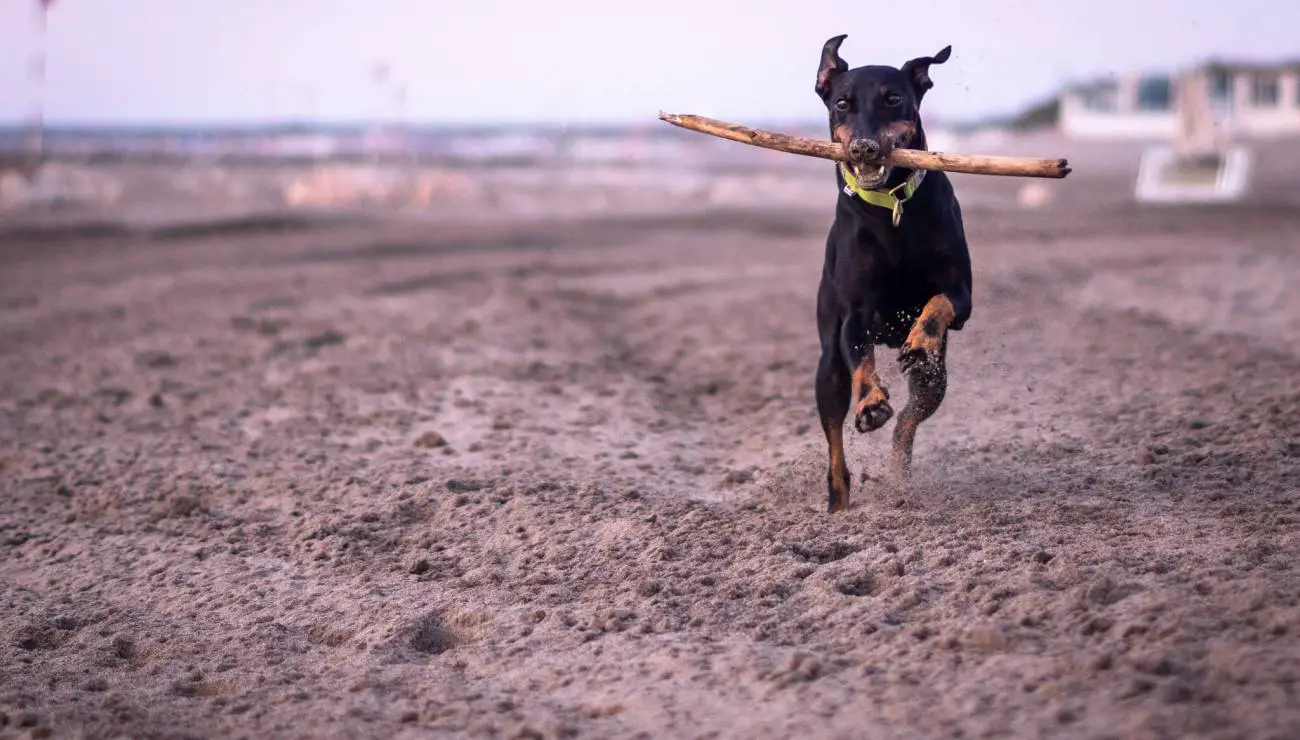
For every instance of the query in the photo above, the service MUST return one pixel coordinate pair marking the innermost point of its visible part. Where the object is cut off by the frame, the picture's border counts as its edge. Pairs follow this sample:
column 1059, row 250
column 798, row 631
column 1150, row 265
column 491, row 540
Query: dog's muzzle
column 866, row 160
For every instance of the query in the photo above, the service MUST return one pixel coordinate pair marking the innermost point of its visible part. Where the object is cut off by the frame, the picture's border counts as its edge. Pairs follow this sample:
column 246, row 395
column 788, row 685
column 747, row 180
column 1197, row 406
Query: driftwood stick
column 911, row 158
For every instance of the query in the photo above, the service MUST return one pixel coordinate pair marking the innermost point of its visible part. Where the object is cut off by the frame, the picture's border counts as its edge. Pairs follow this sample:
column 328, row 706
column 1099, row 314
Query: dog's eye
column 893, row 99
column 842, row 104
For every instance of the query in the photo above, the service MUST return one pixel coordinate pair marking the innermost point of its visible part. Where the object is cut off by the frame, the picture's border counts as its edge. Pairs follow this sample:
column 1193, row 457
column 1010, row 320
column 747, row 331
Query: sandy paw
column 920, row 353
column 873, row 411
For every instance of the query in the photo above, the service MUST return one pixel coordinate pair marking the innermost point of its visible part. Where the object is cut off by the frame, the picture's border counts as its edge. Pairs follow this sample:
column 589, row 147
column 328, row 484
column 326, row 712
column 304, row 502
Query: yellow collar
column 884, row 198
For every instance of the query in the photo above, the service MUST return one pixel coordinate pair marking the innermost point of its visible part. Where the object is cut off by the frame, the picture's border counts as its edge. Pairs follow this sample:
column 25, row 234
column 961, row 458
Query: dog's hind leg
column 832, row 391
column 832, row 387
column 927, row 384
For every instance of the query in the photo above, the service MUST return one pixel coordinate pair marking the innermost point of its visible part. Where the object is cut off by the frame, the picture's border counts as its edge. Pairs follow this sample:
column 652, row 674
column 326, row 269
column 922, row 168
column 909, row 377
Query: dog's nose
column 864, row 148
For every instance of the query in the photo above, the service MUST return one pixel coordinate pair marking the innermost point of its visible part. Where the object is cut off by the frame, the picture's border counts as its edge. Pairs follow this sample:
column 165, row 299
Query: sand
column 565, row 479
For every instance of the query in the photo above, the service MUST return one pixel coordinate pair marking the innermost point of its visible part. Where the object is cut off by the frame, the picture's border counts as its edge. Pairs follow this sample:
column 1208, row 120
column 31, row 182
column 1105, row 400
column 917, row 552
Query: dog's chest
column 895, row 262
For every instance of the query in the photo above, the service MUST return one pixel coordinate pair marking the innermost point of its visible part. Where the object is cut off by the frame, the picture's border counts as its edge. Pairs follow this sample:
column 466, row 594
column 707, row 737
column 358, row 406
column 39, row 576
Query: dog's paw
column 919, row 354
column 873, row 411
column 923, row 347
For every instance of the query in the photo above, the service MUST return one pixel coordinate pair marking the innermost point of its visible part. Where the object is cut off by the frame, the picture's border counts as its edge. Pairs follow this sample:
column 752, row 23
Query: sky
column 233, row 61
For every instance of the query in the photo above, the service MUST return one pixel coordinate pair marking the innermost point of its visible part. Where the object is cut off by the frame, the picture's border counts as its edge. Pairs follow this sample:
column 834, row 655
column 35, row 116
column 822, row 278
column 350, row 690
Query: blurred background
column 142, row 109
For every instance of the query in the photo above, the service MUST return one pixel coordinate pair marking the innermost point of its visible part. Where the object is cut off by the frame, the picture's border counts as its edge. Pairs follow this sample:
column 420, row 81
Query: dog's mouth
column 870, row 175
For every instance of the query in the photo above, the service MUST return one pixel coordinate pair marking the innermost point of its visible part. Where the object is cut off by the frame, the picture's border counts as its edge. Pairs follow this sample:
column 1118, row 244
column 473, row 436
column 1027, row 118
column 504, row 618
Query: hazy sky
column 581, row 60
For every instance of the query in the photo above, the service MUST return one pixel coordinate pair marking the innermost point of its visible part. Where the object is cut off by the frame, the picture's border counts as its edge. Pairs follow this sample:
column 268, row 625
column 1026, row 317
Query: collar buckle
column 890, row 198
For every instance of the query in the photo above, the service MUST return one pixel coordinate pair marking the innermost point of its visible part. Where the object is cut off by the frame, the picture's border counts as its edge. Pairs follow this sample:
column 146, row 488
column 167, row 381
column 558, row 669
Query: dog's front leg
column 927, row 335
column 923, row 359
column 871, row 407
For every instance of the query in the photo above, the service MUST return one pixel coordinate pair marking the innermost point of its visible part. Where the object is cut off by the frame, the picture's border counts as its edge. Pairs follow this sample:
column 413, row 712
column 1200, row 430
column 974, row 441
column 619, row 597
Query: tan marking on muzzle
column 898, row 134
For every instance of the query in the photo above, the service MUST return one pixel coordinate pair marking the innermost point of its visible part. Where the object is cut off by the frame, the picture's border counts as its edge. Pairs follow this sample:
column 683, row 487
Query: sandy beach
column 550, row 474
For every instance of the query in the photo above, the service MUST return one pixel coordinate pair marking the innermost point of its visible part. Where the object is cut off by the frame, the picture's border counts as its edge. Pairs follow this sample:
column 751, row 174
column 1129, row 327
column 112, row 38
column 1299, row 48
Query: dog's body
column 893, row 275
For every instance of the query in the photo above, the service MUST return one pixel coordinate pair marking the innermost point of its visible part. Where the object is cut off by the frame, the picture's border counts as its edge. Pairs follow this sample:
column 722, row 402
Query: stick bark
column 911, row 158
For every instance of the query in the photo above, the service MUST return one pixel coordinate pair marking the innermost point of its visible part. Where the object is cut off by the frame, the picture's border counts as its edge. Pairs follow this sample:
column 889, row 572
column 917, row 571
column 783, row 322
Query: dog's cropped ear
column 918, row 71
column 831, row 66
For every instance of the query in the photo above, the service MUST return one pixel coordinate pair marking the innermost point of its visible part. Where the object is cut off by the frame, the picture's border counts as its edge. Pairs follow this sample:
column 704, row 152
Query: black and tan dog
column 897, row 271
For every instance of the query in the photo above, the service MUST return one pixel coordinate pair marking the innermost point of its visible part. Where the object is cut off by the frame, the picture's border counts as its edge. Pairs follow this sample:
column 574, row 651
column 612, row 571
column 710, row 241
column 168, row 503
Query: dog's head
column 873, row 109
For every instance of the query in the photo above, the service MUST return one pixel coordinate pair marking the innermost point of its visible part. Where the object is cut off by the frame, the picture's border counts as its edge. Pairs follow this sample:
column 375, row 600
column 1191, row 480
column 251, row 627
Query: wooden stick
column 912, row 158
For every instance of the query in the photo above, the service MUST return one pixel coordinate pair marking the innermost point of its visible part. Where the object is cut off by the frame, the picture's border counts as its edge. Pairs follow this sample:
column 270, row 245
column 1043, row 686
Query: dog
column 897, row 272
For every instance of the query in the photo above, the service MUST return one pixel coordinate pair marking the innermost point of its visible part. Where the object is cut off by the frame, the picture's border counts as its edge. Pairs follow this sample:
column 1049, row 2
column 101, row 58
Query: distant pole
column 396, row 126
column 390, row 107
column 379, row 75
column 38, row 81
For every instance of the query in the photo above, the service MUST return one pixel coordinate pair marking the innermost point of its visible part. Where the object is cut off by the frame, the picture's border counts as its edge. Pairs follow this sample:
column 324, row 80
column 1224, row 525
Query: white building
column 1253, row 101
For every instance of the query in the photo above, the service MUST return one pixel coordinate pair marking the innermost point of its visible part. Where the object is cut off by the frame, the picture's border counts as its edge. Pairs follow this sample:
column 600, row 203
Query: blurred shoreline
column 406, row 144
column 150, row 178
